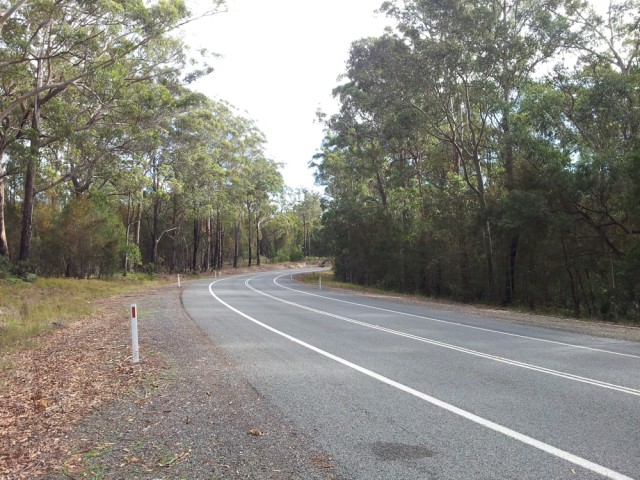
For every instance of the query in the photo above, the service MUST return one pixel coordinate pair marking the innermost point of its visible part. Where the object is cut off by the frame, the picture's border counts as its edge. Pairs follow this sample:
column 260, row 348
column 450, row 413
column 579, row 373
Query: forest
column 110, row 163
column 488, row 151
column 482, row 151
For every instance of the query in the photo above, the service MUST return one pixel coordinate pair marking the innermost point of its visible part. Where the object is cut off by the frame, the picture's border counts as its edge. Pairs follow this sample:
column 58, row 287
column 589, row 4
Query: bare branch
column 4, row 16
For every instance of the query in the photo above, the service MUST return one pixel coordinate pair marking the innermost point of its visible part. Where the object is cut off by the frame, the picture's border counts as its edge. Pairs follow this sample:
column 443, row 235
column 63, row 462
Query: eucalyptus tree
column 221, row 174
column 50, row 47
column 475, row 58
column 258, row 180
column 396, row 93
column 209, row 146
column 9, row 10
column 308, row 209
column 599, row 122
column 348, row 222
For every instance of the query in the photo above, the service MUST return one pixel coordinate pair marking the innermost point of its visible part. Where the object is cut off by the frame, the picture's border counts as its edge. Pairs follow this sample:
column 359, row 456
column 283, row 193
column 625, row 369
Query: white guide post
column 178, row 280
column 135, row 349
column 320, row 278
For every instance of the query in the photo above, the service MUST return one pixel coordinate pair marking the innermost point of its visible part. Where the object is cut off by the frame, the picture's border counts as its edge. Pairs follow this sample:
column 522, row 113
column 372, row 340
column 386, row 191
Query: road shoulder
column 184, row 412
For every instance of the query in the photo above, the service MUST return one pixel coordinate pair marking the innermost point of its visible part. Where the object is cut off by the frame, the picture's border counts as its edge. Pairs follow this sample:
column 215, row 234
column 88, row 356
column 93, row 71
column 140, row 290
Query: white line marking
column 507, row 361
column 569, row 457
column 455, row 323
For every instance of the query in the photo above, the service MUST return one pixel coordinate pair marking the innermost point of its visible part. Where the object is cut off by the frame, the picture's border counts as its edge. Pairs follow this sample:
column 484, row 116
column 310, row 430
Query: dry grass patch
column 28, row 309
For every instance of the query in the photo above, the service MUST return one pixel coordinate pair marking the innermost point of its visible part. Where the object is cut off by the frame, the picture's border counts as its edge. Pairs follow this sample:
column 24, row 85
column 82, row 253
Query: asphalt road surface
column 393, row 390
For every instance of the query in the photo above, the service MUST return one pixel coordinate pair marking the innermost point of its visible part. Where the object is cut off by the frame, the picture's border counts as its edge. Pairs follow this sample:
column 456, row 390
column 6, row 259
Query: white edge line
column 569, row 457
column 455, row 323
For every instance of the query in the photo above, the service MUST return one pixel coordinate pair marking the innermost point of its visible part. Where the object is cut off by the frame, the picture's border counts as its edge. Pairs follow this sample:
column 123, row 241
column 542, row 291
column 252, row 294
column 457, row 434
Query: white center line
column 457, row 324
column 495, row 358
column 569, row 457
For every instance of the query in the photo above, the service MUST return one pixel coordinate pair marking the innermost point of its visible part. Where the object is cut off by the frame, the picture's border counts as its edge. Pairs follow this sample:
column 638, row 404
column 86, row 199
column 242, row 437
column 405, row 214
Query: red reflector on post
column 133, row 311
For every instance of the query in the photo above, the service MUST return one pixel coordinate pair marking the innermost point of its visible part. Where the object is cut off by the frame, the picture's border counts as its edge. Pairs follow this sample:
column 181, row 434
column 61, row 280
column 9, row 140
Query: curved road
column 392, row 390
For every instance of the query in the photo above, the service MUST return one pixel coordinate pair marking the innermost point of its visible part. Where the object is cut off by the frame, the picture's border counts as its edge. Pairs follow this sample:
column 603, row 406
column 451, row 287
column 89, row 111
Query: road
column 393, row 390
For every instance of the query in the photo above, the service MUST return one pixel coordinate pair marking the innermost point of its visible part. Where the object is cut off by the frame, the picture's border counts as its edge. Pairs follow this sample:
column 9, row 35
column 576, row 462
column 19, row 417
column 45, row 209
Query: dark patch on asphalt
column 389, row 451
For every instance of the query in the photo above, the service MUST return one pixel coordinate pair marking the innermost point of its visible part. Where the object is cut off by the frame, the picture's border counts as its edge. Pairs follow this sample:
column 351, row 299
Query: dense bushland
column 489, row 151
column 110, row 164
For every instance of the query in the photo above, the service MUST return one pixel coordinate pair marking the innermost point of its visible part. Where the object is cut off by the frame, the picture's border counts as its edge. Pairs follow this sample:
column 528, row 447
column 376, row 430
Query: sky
column 280, row 61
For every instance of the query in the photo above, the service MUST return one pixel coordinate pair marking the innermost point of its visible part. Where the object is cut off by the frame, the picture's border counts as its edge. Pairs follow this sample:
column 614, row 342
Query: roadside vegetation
column 328, row 279
column 489, row 152
column 110, row 163
column 29, row 309
column 483, row 152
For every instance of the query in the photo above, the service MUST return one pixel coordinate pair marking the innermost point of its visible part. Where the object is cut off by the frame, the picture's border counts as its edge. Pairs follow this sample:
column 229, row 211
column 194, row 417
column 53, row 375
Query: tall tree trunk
column 27, row 206
column 236, row 244
column 257, row 242
column 510, row 286
column 221, row 251
column 249, row 229
column 4, row 246
column 154, row 233
column 218, row 244
column 174, row 246
column 464, row 269
column 196, row 241
column 474, row 140
column 156, row 214
column 138, row 223
column 381, row 191
column 30, row 176
column 128, row 229
column 207, row 253
column 494, row 294
column 575, row 297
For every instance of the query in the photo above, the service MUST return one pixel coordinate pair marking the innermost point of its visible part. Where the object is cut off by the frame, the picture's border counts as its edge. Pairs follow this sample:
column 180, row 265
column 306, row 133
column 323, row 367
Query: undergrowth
column 28, row 309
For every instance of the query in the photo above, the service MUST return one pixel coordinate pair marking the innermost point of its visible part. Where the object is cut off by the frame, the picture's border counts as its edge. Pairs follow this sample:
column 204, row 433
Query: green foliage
column 31, row 308
column 5, row 268
column 452, row 170
column 130, row 169
column 88, row 240
column 295, row 255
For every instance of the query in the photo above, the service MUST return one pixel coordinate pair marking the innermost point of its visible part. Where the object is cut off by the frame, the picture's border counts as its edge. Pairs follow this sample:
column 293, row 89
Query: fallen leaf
column 255, row 432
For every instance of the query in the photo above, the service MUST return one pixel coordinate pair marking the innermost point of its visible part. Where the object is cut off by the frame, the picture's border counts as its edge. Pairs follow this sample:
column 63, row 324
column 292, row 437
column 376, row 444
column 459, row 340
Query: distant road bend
column 393, row 390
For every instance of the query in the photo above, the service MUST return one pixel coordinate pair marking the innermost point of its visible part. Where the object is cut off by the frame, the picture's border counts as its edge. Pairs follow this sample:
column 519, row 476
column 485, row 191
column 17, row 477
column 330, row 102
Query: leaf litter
column 48, row 389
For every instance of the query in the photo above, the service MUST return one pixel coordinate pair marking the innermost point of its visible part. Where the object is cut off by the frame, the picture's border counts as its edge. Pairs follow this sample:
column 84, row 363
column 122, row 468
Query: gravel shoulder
column 184, row 411
column 193, row 416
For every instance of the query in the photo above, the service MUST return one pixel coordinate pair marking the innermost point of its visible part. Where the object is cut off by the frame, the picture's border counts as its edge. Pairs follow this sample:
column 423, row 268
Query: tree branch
column 4, row 16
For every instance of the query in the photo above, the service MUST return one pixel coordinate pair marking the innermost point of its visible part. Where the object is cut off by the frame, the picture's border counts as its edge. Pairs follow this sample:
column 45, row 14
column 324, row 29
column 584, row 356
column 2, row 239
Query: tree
column 308, row 209
column 53, row 47
column 451, row 151
column 475, row 59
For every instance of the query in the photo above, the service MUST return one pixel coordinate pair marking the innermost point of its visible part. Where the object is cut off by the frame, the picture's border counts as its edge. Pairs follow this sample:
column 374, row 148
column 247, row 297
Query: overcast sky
column 280, row 61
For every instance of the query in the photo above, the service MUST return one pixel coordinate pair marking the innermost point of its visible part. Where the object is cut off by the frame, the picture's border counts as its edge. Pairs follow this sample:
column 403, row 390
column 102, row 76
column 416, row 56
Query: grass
column 328, row 280
column 28, row 309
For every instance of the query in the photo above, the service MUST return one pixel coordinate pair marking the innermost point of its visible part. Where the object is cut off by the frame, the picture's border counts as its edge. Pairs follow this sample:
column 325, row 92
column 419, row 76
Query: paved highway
column 393, row 390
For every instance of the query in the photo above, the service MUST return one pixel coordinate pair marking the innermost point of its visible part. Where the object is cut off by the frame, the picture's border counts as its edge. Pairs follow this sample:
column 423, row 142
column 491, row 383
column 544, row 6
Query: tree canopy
column 109, row 162
column 487, row 151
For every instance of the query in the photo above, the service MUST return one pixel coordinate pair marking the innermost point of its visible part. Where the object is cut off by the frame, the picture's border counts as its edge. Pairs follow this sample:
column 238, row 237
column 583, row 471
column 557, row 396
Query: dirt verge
column 75, row 407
